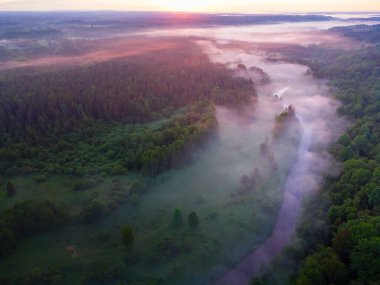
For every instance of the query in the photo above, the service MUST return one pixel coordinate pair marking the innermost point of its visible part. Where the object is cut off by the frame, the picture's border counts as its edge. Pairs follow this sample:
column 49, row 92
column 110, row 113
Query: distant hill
column 366, row 33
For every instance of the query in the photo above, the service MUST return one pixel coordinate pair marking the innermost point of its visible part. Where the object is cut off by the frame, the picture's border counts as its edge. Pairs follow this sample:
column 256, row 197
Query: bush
column 11, row 190
column 33, row 216
column 193, row 220
column 93, row 211
column 104, row 272
column 128, row 236
column 7, row 241
column 84, row 185
column 40, row 276
column 40, row 178
column 177, row 217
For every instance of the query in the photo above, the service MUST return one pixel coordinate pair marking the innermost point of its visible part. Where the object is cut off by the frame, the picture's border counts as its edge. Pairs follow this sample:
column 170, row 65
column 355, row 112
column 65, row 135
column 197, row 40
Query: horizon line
column 191, row 12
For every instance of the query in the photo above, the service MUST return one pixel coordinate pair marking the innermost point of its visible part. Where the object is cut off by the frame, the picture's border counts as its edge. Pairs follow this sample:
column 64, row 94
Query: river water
column 285, row 225
column 316, row 113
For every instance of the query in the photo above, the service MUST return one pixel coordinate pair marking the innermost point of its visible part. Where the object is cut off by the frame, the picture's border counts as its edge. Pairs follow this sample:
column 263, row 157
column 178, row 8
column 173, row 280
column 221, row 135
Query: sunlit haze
column 238, row 6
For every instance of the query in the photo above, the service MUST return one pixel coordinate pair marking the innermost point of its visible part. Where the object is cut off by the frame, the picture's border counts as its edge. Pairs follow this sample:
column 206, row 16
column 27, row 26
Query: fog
column 104, row 50
column 300, row 33
column 241, row 230
column 315, row 111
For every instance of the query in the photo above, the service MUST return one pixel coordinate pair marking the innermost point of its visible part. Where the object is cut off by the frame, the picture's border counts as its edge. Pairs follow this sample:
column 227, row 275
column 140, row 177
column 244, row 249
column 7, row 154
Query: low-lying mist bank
column 244, row 188
column 233, row 187
column 316, row 111
column 338, row 236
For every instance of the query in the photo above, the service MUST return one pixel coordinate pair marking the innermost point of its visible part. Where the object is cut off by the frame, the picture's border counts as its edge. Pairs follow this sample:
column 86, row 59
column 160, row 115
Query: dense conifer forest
column 80, row 127
column 46, row 112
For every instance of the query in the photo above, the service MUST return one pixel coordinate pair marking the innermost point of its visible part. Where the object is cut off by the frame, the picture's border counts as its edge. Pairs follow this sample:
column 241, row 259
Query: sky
column 235, row 6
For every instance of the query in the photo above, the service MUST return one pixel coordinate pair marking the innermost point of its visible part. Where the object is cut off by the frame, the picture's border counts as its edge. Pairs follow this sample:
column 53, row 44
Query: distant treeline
column 35, row 105
column 30, row 33
column 364, row 33
column 149, row 19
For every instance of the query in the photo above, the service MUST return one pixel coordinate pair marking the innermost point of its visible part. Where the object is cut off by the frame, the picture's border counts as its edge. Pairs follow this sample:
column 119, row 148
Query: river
column 316, row 113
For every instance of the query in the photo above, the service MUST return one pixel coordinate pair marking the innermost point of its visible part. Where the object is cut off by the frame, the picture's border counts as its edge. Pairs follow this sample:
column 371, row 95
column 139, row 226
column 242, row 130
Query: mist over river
column 245, row 185
column 247, row 235
column 290, row 84
column 316, row 113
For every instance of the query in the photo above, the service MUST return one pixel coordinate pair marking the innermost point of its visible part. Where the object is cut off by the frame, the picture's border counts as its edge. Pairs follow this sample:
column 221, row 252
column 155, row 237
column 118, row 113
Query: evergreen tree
column 193, row 220
column 128, row 236
column 177, row 217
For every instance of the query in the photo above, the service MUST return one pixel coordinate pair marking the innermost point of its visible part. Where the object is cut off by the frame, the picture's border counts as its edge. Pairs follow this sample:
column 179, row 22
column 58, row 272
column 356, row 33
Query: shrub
column 11, row 190
column 128, row 236
column 193, row 220
column 93, row 211
column 84, row 185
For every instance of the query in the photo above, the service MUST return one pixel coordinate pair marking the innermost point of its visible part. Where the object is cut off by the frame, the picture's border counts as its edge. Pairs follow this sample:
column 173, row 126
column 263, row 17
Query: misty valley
column 180, row 148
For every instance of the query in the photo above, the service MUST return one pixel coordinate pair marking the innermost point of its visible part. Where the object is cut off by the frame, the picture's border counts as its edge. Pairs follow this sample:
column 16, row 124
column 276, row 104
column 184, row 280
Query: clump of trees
column 38, row 106
column 27, row 218
column 11, row 190
column 283, row 121
column 338, row 237
column 193, row 220
column 177, row 217
column 41, row 276
column 351, row 242
column 263, row 76
column 128, row 236
column 250, row 182
column 94, row 210
column 58, row 121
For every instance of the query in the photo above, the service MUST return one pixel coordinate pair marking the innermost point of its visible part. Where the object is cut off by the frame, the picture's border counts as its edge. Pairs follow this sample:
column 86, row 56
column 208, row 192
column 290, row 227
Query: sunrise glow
column 237, row 6
column 174, row 5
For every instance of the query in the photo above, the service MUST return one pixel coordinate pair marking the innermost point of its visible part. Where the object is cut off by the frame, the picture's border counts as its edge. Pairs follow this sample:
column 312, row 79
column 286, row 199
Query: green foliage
column 93, row 211
column 40, row 178
column 103, row 272
column 11, row 190
column 38, row 276
column 323, row 267
column 116, row 148
column 7, row 241
column 177, row 217
column 351, row 233
column 128, row 236
column 50, row 119
column 193, row 220
column 27, row 218
column 33, row 216
column 374, row 197
column 283, row 121
column 364, row 33
column 169, row 248
column 353, row 214
column 365, row 259
column 84, row 184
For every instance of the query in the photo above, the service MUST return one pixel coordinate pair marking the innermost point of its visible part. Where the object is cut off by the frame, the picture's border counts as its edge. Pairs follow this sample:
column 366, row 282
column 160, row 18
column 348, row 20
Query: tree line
column 44, row 113
column 338, row 238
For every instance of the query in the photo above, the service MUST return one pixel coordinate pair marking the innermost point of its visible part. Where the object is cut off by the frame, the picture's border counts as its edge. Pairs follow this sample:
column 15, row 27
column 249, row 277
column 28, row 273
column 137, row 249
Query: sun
column 185, row 6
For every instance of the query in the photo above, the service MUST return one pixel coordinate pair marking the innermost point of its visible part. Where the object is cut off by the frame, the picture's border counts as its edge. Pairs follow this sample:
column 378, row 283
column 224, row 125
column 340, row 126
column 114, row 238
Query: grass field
column 231, row 223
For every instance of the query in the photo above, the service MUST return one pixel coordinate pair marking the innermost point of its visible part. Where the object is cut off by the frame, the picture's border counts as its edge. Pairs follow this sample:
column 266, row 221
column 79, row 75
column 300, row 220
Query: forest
column 80, row 143
column 339, row 234
column 46, row 114
column 149, row 159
